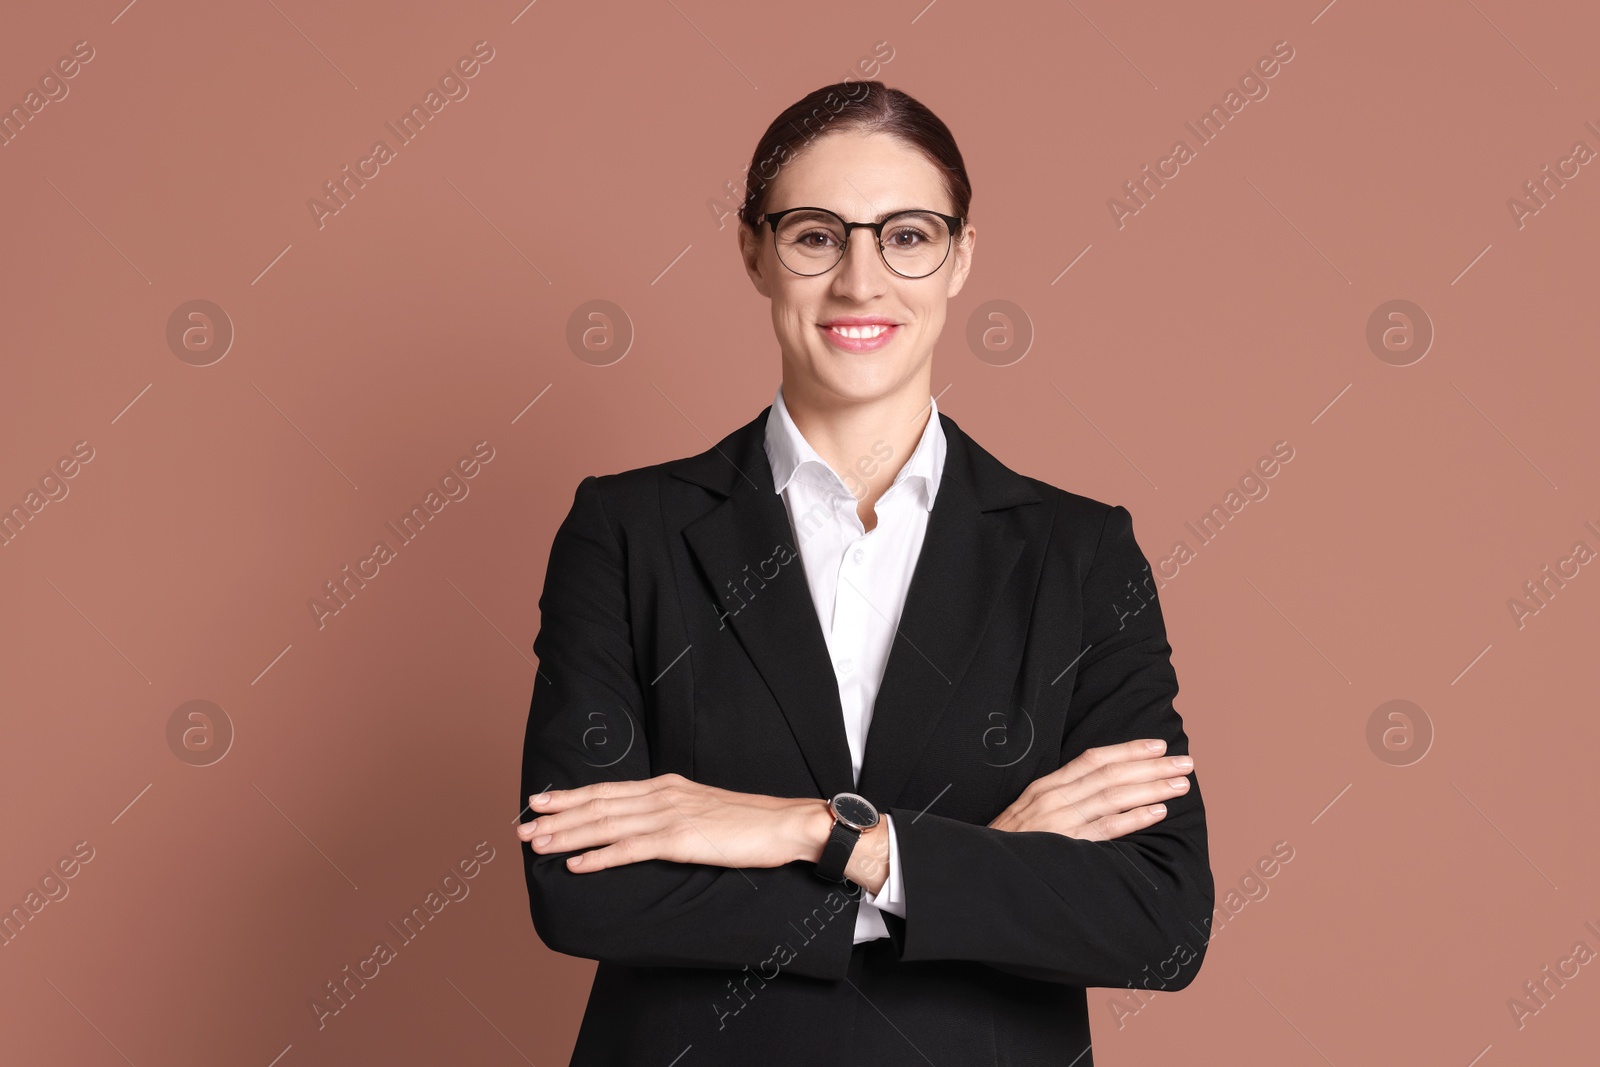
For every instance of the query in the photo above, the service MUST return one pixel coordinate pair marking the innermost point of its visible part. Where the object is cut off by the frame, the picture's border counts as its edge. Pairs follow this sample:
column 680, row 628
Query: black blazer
column 678, row 634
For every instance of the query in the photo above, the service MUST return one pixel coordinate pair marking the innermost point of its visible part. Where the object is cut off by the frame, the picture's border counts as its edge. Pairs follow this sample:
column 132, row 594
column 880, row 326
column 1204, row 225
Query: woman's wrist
column 869, row 860
column 811, row 822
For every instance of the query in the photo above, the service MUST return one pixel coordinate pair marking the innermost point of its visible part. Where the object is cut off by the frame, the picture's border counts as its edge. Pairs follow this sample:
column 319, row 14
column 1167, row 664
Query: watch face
column 855, row 810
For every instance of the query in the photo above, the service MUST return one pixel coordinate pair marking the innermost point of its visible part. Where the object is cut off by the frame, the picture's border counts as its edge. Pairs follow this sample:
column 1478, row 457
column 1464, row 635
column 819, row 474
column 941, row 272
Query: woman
column 848, row 743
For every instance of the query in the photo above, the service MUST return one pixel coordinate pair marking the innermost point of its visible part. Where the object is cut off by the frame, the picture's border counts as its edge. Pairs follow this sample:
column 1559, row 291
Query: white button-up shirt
column 858, row 580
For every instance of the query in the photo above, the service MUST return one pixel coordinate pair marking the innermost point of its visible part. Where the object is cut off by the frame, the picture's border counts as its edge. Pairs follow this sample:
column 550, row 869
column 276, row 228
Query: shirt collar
column 788, row 451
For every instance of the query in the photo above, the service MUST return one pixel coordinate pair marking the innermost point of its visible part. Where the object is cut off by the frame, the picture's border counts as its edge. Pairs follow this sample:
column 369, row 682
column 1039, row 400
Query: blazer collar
column 746, row 552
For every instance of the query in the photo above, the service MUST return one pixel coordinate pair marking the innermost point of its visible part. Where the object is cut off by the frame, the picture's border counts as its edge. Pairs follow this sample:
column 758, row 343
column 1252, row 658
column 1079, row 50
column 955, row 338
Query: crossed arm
column 1103, row 794
column 1091, row 876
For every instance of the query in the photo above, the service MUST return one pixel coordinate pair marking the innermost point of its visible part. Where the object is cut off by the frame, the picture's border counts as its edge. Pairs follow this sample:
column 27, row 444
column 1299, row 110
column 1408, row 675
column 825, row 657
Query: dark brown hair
column 853, row 105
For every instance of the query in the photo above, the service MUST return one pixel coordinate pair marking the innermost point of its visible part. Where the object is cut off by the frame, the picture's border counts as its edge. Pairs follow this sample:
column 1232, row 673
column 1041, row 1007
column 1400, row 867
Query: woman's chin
column 855, row 376
column 861, row 388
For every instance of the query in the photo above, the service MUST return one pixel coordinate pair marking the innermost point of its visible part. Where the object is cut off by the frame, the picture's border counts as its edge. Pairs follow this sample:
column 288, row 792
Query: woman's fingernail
column 1155, row 746
column 542, row 840
column 540, row 799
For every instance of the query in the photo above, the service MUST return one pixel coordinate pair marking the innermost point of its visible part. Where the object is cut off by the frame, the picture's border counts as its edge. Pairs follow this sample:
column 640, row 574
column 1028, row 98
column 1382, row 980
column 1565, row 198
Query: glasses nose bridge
column 851, row 227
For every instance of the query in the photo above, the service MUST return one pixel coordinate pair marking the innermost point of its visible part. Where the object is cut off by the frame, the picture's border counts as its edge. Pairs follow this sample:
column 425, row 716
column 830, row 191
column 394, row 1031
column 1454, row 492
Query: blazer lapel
column 747, row 552
column 968, row 553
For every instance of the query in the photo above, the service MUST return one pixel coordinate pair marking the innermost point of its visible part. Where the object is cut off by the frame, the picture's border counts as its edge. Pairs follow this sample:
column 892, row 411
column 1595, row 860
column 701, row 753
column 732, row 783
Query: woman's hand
column 672, row 818
column 1102, row 794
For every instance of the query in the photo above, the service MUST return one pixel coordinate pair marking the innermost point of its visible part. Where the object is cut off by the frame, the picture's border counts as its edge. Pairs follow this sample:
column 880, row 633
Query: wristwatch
column 853, row 815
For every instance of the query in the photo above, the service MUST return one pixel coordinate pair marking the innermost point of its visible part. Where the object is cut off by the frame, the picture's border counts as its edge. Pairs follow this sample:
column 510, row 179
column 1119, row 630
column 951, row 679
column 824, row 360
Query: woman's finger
column 1125, row 773
column 1124, row 823
column 562, row 799
column 589, row 811
column 1121, row 798
column 1092, row 760
column 1058, row 812
column 602, row 829
column 628, row 850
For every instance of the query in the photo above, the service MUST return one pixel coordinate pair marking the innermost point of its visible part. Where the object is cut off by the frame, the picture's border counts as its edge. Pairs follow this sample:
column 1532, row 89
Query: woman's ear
column 962, row 253
column 750, row 252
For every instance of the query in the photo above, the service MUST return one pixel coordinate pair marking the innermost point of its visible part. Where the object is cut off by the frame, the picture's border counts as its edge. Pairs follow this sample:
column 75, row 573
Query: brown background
column 1230, row 313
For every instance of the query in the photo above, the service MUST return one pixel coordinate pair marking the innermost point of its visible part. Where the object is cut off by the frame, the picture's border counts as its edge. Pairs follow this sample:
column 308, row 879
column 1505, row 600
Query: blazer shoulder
column 737, row 457
column 1080, row 512
column 1075, row 516
column 638, row 492
column 625, row 494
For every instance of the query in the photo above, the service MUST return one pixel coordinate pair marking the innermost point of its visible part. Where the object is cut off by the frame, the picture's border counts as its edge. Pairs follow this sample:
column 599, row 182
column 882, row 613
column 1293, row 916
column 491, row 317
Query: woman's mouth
column 867, row 338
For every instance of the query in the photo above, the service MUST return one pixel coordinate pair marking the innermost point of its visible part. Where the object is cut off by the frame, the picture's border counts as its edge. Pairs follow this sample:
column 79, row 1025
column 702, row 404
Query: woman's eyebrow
column 880, row 217
column 885, row 214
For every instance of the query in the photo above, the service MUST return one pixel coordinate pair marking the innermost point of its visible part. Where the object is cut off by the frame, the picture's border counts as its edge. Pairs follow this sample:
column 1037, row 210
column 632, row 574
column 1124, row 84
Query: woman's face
column 861, row 177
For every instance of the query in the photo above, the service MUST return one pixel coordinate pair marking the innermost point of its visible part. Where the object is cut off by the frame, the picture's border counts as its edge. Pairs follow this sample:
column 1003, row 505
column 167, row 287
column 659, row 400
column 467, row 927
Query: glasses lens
column 915, row 243
column 809, row 242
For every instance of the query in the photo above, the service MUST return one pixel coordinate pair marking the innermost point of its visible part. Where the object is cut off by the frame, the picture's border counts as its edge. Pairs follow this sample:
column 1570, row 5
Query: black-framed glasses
column 812, row 240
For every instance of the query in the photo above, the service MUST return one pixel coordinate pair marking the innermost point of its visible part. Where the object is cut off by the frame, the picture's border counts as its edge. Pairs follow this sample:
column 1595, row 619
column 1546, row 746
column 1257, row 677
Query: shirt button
column 843, row 665
column 856, row 555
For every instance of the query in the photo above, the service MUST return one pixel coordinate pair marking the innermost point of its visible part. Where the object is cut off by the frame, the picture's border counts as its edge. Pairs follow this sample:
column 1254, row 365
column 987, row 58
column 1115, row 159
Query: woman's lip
column 860, row 344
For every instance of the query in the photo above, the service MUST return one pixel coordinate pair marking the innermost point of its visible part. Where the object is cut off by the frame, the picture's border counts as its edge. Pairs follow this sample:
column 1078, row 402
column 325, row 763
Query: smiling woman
column 807, row 810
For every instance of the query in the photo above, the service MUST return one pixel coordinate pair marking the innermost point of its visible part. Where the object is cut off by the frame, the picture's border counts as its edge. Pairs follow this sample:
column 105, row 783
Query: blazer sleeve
column 589, row 722
column 1134, row 910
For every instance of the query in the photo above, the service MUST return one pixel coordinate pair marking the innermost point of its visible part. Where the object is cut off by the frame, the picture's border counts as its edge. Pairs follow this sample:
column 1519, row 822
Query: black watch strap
column 836, row 853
